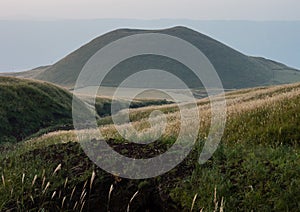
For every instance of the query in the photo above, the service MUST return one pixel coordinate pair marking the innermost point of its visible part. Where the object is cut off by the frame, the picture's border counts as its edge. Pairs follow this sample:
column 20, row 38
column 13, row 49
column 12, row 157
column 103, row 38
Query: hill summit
column 235, row 69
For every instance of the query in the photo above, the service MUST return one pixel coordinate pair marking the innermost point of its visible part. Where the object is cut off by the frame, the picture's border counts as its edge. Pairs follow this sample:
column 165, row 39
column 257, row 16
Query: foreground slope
column 256, row 167
column 235, row 69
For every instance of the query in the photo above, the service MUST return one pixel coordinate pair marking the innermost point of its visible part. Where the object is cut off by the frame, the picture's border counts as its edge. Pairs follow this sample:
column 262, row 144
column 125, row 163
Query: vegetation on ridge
column 256, row 167
column 31, row 108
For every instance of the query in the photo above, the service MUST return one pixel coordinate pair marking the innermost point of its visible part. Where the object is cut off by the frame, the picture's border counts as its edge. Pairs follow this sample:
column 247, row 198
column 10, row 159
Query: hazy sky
column 151, row 9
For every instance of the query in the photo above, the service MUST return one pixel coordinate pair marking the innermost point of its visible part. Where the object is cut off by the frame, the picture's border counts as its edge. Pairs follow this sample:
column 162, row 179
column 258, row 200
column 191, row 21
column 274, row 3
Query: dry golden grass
column 238, row 102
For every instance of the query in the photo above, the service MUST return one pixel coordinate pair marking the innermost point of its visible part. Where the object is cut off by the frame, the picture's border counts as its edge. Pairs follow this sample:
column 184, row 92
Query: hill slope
column 257, row 158
column 26, row 74
column 235, row 69
column 28, row 106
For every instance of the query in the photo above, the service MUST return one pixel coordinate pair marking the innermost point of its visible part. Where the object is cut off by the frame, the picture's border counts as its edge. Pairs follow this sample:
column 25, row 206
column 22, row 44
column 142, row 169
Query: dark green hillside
column 28, row 106
column 235, row 69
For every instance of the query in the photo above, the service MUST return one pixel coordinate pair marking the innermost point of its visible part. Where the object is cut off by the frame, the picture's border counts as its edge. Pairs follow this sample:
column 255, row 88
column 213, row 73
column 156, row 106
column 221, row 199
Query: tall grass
column 257, row 159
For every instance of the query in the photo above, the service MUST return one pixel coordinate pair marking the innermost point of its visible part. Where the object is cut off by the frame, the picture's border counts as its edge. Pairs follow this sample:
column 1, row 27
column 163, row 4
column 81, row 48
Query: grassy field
column 31, row 108
column 255, row 168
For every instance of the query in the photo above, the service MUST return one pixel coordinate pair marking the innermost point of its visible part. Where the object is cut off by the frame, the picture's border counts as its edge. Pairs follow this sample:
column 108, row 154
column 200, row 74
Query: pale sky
column 151, row 9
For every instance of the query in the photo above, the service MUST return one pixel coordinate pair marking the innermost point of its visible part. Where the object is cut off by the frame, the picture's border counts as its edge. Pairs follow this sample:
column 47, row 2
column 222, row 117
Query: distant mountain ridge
column 235, row 69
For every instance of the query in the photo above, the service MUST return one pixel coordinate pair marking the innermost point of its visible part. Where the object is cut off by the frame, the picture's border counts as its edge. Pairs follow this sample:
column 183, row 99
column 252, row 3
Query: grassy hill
column 235, row 69
column 256, row 166
column 28, row 106
column 34, row 107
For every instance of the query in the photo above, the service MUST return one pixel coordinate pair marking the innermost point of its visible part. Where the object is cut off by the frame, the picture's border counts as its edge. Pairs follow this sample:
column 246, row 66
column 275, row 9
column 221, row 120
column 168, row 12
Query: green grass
column 275, row 125
column 248, row 177
column 256, row 166
column 28, row 106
